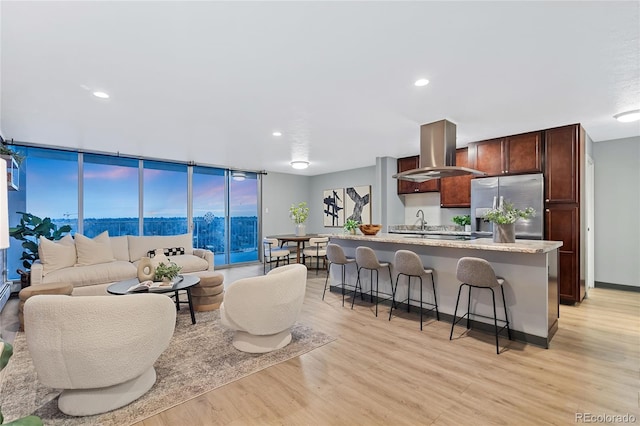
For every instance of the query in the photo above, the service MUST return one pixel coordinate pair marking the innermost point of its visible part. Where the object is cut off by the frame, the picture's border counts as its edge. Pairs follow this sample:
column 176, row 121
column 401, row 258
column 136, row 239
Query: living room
column 246, row 89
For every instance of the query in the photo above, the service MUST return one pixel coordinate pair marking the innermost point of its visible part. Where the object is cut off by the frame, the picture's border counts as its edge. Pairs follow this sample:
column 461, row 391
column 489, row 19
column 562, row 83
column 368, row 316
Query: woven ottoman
column 208, row 294
column 27, row 292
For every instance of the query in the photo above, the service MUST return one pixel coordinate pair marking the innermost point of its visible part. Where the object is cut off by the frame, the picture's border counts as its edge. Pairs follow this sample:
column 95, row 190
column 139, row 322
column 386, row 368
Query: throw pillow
column 173, row 251
column 56, row 255
column 94, row 251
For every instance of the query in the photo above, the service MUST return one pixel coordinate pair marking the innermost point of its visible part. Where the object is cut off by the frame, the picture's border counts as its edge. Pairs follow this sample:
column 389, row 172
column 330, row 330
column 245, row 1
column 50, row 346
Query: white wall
column 617, row 205
column 279, row 191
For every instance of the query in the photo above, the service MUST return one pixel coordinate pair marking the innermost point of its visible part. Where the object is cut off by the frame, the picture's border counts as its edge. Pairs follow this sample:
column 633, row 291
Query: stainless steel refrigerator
column 522, row 191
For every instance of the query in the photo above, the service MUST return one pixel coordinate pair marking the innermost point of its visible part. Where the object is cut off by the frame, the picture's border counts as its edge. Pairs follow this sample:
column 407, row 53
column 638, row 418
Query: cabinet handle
column 416, row 190
column 546, row 201
column 547, row 210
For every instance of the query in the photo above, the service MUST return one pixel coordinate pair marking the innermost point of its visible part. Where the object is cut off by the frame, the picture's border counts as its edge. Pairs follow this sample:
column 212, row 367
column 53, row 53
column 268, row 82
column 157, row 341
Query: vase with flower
column 299, row 214
column 504, row 220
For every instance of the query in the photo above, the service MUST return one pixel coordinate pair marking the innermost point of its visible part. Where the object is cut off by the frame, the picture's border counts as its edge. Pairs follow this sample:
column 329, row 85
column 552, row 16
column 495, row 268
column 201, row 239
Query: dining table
column 298, row 239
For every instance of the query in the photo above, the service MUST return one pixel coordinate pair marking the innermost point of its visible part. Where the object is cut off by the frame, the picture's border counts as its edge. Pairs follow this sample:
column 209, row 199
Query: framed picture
column 333, row 207
column 357, row 203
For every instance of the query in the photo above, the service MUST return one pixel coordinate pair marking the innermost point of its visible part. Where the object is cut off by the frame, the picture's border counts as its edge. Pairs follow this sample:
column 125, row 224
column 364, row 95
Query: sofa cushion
column 139, row 246
column 56, row 255
column 120, row 247
column 188, row 262
column 94, row 251
column 94, row 274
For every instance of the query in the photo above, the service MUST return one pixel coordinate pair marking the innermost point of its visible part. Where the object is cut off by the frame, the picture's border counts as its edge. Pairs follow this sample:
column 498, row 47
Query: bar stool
column 408, row 263
column 318, row 249
column 273, row 254
column 366, row 259
column 478, row 273
column 336, row 256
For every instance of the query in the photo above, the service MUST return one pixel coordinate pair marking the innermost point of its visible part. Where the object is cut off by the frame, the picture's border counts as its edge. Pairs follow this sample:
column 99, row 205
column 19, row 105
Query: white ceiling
column 210, row 81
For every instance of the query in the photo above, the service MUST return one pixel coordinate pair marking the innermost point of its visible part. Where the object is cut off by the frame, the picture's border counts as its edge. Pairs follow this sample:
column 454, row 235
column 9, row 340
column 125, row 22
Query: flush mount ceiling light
column 277, row 133
column 101, row 95
column 421, row 82
column 238, row 176
column 299, row 164
column 628, row 116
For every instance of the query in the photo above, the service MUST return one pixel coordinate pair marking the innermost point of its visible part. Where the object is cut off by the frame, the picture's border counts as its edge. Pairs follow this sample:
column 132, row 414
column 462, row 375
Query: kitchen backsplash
column 429, row 203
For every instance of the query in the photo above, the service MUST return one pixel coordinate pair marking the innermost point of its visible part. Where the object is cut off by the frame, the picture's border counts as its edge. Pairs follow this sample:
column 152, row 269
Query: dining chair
column 273, row 253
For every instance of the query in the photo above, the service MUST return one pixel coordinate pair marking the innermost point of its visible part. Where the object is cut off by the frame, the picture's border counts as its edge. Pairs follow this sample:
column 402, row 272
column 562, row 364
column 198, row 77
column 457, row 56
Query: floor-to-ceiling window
column 110, row 195
column 123, row 195
column 243, row 215
column 164, row 198
column 209, row 211
column 51, row 185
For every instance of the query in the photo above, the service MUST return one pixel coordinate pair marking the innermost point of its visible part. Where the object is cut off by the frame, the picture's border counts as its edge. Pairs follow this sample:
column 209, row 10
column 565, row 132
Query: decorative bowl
column 370, row 229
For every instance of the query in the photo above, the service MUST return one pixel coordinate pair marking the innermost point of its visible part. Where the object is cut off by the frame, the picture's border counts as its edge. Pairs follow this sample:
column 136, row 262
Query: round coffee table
column 186, row 283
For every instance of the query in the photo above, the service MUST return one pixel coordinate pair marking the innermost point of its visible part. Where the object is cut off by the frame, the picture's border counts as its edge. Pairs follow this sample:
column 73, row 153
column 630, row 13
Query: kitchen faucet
column 423, row 222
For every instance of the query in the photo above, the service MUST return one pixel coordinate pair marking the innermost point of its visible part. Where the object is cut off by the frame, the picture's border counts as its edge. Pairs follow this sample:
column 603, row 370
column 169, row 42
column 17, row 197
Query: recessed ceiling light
column 628, row 116
column 422, row 82
column 277, row 133
column 101, row 95
column 300, row 164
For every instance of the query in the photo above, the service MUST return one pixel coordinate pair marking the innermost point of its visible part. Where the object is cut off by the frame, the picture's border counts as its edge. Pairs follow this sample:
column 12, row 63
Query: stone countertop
column 429, row 230
column 520, row 246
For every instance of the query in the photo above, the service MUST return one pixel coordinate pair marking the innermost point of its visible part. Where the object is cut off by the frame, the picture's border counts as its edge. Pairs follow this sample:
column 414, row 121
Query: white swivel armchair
column 99, row 349
column 263, row 309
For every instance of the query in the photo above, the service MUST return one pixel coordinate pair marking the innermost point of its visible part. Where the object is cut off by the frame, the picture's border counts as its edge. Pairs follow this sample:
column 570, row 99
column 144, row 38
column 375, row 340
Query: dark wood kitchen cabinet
column 456, row 191
column 487, row 156
column 407, row 187
column 561, row 169
column 562, row 224
column 564, row 155
column 510, row 155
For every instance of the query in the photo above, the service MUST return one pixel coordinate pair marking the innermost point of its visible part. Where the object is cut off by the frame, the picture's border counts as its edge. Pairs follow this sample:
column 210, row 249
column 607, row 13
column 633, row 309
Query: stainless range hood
column 437, row 154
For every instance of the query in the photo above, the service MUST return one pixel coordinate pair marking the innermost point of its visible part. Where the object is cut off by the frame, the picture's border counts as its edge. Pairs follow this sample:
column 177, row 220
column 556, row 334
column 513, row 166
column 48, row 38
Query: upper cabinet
column 456, row 191
column 408, row 187
column 510, row 155
column 487, row 156
column 523, row 153
column 561, row 164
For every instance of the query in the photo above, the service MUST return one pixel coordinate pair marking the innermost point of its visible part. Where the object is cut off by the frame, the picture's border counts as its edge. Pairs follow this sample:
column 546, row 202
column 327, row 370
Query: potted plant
column 299, row 215
column 351, row 225
column 504, row 219
column 166, row 271
column 29, row 231
column 463, row 220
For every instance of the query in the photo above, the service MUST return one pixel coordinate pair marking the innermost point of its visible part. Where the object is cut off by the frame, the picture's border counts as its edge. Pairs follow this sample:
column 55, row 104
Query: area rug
column 200, row 358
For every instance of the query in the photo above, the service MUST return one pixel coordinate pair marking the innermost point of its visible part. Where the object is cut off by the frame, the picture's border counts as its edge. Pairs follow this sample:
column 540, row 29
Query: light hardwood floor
column 381, row 372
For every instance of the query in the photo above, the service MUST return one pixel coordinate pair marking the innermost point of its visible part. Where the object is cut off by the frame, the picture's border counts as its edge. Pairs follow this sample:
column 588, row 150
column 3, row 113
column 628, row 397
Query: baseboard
column 600, row 284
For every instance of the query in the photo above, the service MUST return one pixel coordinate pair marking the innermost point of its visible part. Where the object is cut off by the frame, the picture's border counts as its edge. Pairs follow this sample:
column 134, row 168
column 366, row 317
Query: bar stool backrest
column 408, row 263
column 477, row 272
column 366, row 258
column 336, row 255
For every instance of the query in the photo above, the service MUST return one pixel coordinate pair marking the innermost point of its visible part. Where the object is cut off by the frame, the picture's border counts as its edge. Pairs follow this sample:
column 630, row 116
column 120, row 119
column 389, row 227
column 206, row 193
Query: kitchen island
column 529, row 268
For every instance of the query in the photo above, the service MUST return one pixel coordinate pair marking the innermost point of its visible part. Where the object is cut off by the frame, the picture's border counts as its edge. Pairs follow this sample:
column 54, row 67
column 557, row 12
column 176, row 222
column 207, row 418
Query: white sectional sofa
column 91, row 265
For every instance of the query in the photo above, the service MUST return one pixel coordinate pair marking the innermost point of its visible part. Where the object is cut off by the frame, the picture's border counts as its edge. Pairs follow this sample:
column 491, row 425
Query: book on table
column 149, row 286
